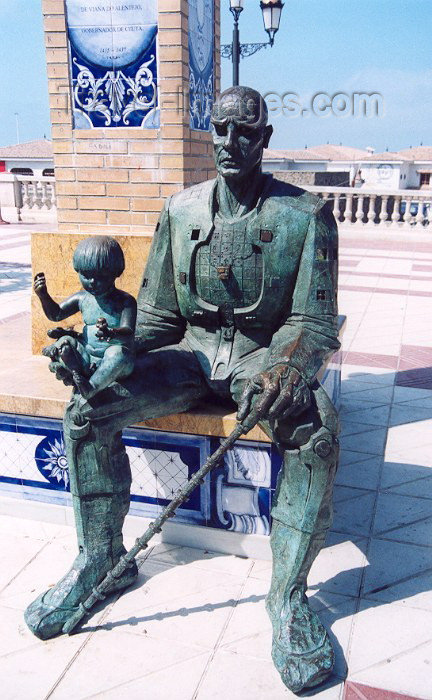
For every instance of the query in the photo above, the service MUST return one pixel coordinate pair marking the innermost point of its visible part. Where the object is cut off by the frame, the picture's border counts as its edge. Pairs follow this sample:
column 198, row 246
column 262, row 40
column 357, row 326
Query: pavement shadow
column 15, row 277
column 380, row 581
column 397, row 542
column 134, row 620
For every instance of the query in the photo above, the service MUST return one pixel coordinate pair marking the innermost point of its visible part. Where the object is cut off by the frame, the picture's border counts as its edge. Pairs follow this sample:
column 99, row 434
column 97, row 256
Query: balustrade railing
column 35, row 193
column 399, row 209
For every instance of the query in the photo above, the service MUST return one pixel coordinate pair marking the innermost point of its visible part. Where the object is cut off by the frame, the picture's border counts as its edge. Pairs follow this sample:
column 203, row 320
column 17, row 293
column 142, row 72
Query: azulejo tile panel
column 113, row 63
column 201, row 63
column 236, row 497
column 241, row 489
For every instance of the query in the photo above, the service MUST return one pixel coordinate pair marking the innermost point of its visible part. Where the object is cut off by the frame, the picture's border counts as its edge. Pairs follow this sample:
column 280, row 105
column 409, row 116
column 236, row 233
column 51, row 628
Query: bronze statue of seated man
column 237, row 300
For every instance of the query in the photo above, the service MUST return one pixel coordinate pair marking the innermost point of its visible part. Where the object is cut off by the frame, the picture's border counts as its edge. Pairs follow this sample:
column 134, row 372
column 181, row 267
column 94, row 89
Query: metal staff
column 125, row 561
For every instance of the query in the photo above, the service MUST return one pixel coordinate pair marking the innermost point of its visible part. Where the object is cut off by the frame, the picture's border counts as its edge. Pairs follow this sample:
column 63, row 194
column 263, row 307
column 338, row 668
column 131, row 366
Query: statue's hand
column 104, row 332
column 275, row 393
column 39, row 285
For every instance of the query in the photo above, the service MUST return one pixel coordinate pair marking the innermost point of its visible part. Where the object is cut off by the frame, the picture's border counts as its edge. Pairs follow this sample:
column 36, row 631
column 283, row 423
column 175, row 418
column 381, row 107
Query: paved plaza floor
column 194, row 626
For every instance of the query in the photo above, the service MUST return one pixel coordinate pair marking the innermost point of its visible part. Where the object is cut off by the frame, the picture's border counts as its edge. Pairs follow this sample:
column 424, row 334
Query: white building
column 327, row 158
column 406, row 169
column 421, row 166
column 34, row 158
column 383, row 171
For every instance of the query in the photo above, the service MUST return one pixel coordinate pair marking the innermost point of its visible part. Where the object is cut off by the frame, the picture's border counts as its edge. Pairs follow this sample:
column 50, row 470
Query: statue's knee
column 295, row 432
column 120, row 357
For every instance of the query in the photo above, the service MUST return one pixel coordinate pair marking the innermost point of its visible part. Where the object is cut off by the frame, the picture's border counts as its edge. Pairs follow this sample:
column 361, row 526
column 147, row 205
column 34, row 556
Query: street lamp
column 271, row 11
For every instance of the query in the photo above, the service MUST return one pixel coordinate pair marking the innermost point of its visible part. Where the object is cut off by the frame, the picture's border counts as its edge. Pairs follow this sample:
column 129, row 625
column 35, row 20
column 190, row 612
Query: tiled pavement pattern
column 15, row 268
column 194, row 626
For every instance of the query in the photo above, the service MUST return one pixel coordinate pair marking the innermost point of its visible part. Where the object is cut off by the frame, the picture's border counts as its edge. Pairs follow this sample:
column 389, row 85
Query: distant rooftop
column 418, row 153
column 330, row 152
column 41, row 148
column 324, row 152
column 386, row 157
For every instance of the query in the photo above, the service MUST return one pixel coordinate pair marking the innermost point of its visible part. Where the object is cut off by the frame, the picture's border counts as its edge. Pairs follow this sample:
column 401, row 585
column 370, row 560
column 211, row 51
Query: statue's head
column 98, row 261
column 240, row 131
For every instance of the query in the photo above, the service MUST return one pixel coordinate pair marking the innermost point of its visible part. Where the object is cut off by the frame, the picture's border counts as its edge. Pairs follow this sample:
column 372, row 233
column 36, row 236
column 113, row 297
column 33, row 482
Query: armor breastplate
column 229, row 269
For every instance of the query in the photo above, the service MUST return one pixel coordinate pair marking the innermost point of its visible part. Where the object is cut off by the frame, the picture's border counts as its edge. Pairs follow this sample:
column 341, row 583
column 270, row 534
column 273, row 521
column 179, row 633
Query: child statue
column 105, row 350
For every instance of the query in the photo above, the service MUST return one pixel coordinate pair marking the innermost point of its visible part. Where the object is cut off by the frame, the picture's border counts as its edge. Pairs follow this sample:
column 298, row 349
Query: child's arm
column 127, row 322
column 52, row 310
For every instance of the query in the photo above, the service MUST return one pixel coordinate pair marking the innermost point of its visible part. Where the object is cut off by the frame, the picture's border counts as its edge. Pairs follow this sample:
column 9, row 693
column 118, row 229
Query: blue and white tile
column 113, row 63
column 201, row 48
column 240, row 493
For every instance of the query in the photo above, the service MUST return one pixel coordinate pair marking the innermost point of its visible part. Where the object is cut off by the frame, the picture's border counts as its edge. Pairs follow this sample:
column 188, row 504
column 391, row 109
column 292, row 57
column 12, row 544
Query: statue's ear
column 267, row 135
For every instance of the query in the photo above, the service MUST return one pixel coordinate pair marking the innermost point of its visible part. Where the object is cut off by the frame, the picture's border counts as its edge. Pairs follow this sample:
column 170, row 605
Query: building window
column 48, row 172
column 424, row 179
column 22, row 171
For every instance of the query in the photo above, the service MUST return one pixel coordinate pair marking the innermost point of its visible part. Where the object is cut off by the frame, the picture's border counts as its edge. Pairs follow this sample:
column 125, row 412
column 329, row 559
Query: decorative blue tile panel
column 51, row 460
column 162, row 463
column 241, row 489
column 33, row 463
column 201, row 63
column 113, row 63
column 236, row 496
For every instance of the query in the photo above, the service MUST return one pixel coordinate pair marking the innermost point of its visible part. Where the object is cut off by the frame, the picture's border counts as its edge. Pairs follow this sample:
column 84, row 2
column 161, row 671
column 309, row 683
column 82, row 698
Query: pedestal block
column 130, row 89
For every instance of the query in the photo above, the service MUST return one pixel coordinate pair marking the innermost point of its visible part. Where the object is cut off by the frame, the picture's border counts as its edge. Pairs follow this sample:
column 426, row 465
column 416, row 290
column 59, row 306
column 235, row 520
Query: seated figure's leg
column 100, row 477
column 301, row 515
column 117, row 362
column 100, row 483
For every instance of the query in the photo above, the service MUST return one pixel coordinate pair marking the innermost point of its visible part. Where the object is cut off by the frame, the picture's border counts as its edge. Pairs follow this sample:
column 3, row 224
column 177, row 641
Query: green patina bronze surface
column 104, row 352
column 237, row 300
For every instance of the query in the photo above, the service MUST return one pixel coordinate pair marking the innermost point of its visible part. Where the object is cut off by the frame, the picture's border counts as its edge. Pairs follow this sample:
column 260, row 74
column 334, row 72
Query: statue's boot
column 301, row 650
column 99, row 523
column 100, row 480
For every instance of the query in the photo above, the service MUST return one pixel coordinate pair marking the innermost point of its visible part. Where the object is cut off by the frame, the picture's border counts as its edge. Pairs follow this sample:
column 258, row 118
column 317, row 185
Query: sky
column 323, row 47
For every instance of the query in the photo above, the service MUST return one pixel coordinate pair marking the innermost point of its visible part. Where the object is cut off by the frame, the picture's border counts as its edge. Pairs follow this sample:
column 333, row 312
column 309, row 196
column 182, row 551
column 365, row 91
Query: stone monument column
column 130, row 90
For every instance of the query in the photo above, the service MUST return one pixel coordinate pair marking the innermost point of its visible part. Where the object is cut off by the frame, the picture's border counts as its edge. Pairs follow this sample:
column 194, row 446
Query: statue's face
column 97, row 282
column 239, row 136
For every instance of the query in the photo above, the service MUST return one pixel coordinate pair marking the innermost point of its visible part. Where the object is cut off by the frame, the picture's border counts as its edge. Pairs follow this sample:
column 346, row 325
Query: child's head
column 100, row 254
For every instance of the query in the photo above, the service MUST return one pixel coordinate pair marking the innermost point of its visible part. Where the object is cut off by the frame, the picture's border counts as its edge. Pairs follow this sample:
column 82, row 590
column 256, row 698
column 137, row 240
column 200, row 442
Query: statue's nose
column 230, row 137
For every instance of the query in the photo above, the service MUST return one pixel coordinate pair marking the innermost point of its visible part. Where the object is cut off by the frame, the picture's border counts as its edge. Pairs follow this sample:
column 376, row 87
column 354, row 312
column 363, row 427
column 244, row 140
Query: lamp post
column 271, row 11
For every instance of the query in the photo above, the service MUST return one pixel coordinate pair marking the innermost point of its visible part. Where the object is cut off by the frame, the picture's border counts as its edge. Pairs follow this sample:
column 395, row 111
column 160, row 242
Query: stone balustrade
column 399, row 209
column 27, row 199
column 36, row 194
column 33, row 199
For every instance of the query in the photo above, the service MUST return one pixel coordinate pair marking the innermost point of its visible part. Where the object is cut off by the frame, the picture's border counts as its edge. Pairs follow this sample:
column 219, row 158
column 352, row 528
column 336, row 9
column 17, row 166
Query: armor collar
column 264, row 184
